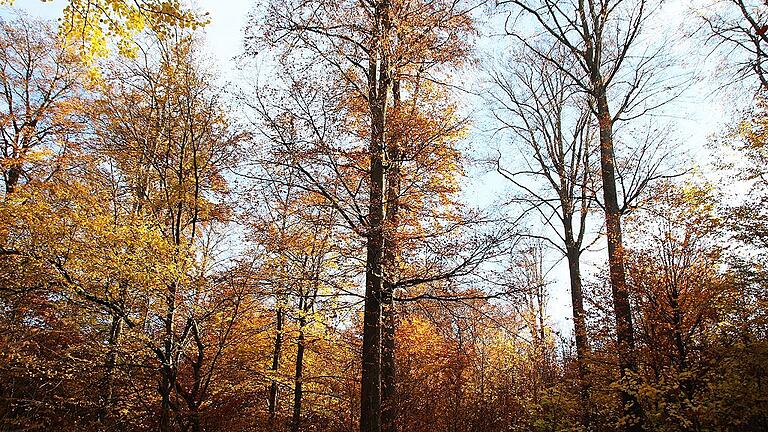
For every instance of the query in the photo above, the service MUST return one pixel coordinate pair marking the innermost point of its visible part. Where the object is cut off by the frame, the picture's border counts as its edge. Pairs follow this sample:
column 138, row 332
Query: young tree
column 547, row 117
column 166, row 132
column 297, row 234
column 683, row 292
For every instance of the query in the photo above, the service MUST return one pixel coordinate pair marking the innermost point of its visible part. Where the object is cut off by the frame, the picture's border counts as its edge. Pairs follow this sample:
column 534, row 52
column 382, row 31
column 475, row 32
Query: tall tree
column 165, row 131
column 547, row 117
column 369, row 48
column 621, row 81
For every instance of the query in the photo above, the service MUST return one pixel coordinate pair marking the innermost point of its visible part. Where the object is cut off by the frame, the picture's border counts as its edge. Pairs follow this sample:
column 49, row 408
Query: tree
column 371, row 49
column 92, row 23
column 674, row 266
column 42, row 98
column 601, row 40
column 303, row 271
column 690, row 303
column 168, row 139
column 547, row 117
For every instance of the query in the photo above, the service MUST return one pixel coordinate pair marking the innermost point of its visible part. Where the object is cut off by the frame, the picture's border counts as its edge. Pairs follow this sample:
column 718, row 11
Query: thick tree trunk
column 389, row 320
column 272, row 401
column 389, row 407
column 379, row 80
column 624, row 329
column 12, row 176
column 370, row 403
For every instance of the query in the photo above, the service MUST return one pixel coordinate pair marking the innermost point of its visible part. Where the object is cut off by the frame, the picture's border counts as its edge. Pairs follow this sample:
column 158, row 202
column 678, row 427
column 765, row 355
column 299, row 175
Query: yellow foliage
column 95, row 23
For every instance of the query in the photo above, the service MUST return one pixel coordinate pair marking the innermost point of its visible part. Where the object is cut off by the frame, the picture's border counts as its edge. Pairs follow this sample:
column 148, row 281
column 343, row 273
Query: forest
column 384, row 216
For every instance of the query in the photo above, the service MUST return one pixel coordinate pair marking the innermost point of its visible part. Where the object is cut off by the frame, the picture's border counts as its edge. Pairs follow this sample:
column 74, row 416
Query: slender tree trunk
column 107, row 397
column 116, row 331
column 165, row 408
column 580, row 329
column 457, row 372
column 297, row 382
column 275, row 364
column 168, row 374
column 624, row 328
column 194, row 421
column 682, row 352
column 194, row 397
column 677, row 329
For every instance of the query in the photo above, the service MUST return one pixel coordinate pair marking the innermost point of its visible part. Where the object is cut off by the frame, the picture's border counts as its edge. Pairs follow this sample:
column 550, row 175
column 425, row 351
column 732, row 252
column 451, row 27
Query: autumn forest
column 384, row 216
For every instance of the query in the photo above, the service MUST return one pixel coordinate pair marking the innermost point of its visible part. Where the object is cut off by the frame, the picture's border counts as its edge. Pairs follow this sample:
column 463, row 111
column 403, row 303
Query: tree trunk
column 579, row 329
column 389, row 320
column 275, row 364
column 107, row 397
column 165, row 407
column 297, row 391
column 194, row 421
column 167, row 369
column 677, row 328
column 624, row 329
column 12, row 176
column 378, row 90
column 370, row 403
column 389, row 407
column 687, row 384
column 114, row 339
column 194, row 397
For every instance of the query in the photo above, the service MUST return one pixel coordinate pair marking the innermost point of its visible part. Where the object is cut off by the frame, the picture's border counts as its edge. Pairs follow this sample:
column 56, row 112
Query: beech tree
column 170, row 140
column 547, row 117
column 386, row 49
column 621, row 82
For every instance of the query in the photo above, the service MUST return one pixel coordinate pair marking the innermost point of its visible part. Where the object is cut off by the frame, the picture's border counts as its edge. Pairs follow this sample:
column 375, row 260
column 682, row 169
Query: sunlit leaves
column 96, row 24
